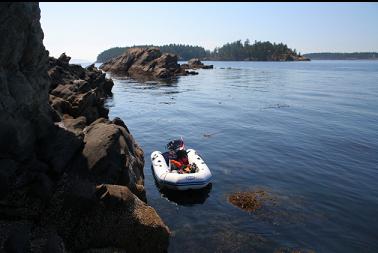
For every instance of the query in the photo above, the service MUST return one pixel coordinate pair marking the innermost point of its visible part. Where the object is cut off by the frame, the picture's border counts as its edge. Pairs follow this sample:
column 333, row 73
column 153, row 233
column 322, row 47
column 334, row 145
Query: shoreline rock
column 70, row 178
column 195, row 63
column 78, row 91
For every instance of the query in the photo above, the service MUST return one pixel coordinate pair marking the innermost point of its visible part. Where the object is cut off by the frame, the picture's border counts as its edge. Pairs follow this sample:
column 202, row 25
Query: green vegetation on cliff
column 343, row 56
column 235, row 51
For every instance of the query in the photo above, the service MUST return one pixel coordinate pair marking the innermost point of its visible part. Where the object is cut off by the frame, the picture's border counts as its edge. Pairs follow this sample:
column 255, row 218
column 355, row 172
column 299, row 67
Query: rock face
column 195, row 63
column 77, row 91
column 24, row 111
column 70, row 179
column 145, row 64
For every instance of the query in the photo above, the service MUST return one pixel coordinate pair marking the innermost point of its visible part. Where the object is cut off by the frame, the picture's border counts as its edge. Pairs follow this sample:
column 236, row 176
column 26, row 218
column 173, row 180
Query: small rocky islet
column 147, row 64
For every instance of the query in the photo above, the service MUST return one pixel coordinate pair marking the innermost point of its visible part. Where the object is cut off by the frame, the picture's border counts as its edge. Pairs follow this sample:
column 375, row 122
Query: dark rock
column 117, row 121
column 7, row 173
column 48, row 174
column 23, row 81
column 301, row 58
column 185, row 66
column 64, row 59
column 104, row 151
column 207, row 66
column 145, row 64
column 127, row 220
column 60, row 106
column 74, row 125
column 18, row 240
column 195, row 63
column 113, row 156
column 42, row 186
column 78, row 91
column 73, row 198
column 59, row 149
column 54, row 243
column 192, row 72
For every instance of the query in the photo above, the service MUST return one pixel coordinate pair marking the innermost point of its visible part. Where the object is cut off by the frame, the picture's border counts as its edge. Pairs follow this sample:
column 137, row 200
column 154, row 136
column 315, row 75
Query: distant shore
column 343, row 56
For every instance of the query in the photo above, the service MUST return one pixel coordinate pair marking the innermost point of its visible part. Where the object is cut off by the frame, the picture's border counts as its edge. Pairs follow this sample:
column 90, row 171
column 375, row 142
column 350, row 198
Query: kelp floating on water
column 250, row 201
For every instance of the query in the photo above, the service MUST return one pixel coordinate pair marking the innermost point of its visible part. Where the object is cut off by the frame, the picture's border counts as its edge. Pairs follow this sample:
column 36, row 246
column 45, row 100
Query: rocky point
column 70, row 178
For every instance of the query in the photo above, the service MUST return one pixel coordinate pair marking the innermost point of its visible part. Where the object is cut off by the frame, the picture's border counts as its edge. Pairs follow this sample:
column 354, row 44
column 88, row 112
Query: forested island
column 234, row 51
column 343, row 56
column 184, row 52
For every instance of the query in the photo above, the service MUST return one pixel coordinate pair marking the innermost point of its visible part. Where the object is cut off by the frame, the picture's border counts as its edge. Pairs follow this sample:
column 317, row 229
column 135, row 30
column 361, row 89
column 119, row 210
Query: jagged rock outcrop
column 78, row 91
column 70, row 179
column 195, row 63
column 145, row 64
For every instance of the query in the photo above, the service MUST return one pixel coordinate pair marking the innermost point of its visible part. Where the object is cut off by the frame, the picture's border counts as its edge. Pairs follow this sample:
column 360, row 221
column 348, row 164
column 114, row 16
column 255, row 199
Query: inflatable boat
column 168, row 177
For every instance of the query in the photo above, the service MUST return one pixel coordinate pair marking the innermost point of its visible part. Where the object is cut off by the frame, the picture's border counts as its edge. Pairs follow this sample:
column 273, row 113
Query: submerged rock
column 249, row 201
column 145, row 64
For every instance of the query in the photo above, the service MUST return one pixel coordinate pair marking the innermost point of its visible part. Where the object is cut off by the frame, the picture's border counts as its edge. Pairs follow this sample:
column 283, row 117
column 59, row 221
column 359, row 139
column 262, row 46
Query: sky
column 83, row 30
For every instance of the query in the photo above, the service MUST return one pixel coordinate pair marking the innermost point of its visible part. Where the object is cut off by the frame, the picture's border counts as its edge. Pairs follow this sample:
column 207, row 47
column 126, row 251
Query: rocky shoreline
column 70, row 178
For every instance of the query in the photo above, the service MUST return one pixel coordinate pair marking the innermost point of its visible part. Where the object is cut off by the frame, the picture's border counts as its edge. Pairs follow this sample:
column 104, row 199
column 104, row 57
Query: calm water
column 306, row 132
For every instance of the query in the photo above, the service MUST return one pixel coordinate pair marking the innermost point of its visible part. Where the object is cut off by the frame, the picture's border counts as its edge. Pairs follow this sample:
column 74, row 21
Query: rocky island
column 195, row 63
column 145, row 64
column 70, row 178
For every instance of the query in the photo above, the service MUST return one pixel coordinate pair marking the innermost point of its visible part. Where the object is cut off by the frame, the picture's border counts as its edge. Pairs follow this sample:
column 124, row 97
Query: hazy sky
column 83, row 30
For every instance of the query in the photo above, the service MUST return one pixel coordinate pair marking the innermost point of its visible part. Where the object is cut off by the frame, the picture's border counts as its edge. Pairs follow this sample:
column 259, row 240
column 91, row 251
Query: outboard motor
column 176, row 145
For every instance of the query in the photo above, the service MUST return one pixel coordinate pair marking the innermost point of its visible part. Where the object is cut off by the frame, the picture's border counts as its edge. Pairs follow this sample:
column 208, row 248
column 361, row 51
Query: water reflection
column 305, row 131
column 187, row 197
column 144, row 79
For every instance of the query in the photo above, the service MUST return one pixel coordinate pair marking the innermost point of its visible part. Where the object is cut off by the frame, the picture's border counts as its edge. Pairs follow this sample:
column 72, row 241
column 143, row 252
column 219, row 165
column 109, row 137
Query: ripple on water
column 305, row 132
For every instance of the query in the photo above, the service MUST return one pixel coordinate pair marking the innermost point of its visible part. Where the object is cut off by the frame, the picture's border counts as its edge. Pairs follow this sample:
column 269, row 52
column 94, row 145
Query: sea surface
column 304, row 132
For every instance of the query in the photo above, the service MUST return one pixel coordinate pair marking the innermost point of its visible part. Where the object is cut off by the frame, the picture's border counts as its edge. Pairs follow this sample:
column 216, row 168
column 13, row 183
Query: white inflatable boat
column 171, row 179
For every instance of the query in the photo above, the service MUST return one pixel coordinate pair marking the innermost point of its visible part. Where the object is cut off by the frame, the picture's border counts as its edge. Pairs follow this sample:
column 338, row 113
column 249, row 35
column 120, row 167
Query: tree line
column 234, row 51
column 184, row 52
column 258, row 51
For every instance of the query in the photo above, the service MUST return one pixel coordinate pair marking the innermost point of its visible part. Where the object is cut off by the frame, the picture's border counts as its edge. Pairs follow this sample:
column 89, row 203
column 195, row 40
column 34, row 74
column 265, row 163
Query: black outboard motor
column 173, row 146
column 176, row 145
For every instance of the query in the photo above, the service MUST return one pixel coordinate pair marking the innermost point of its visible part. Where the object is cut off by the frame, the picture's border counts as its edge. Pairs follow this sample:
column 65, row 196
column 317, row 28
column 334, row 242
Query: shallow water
column 307, row 132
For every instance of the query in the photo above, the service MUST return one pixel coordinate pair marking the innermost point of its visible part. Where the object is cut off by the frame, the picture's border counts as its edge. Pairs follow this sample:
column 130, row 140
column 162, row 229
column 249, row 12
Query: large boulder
column 127, row 220
column 113, row 156
column 145, row 64
column 88, row 216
